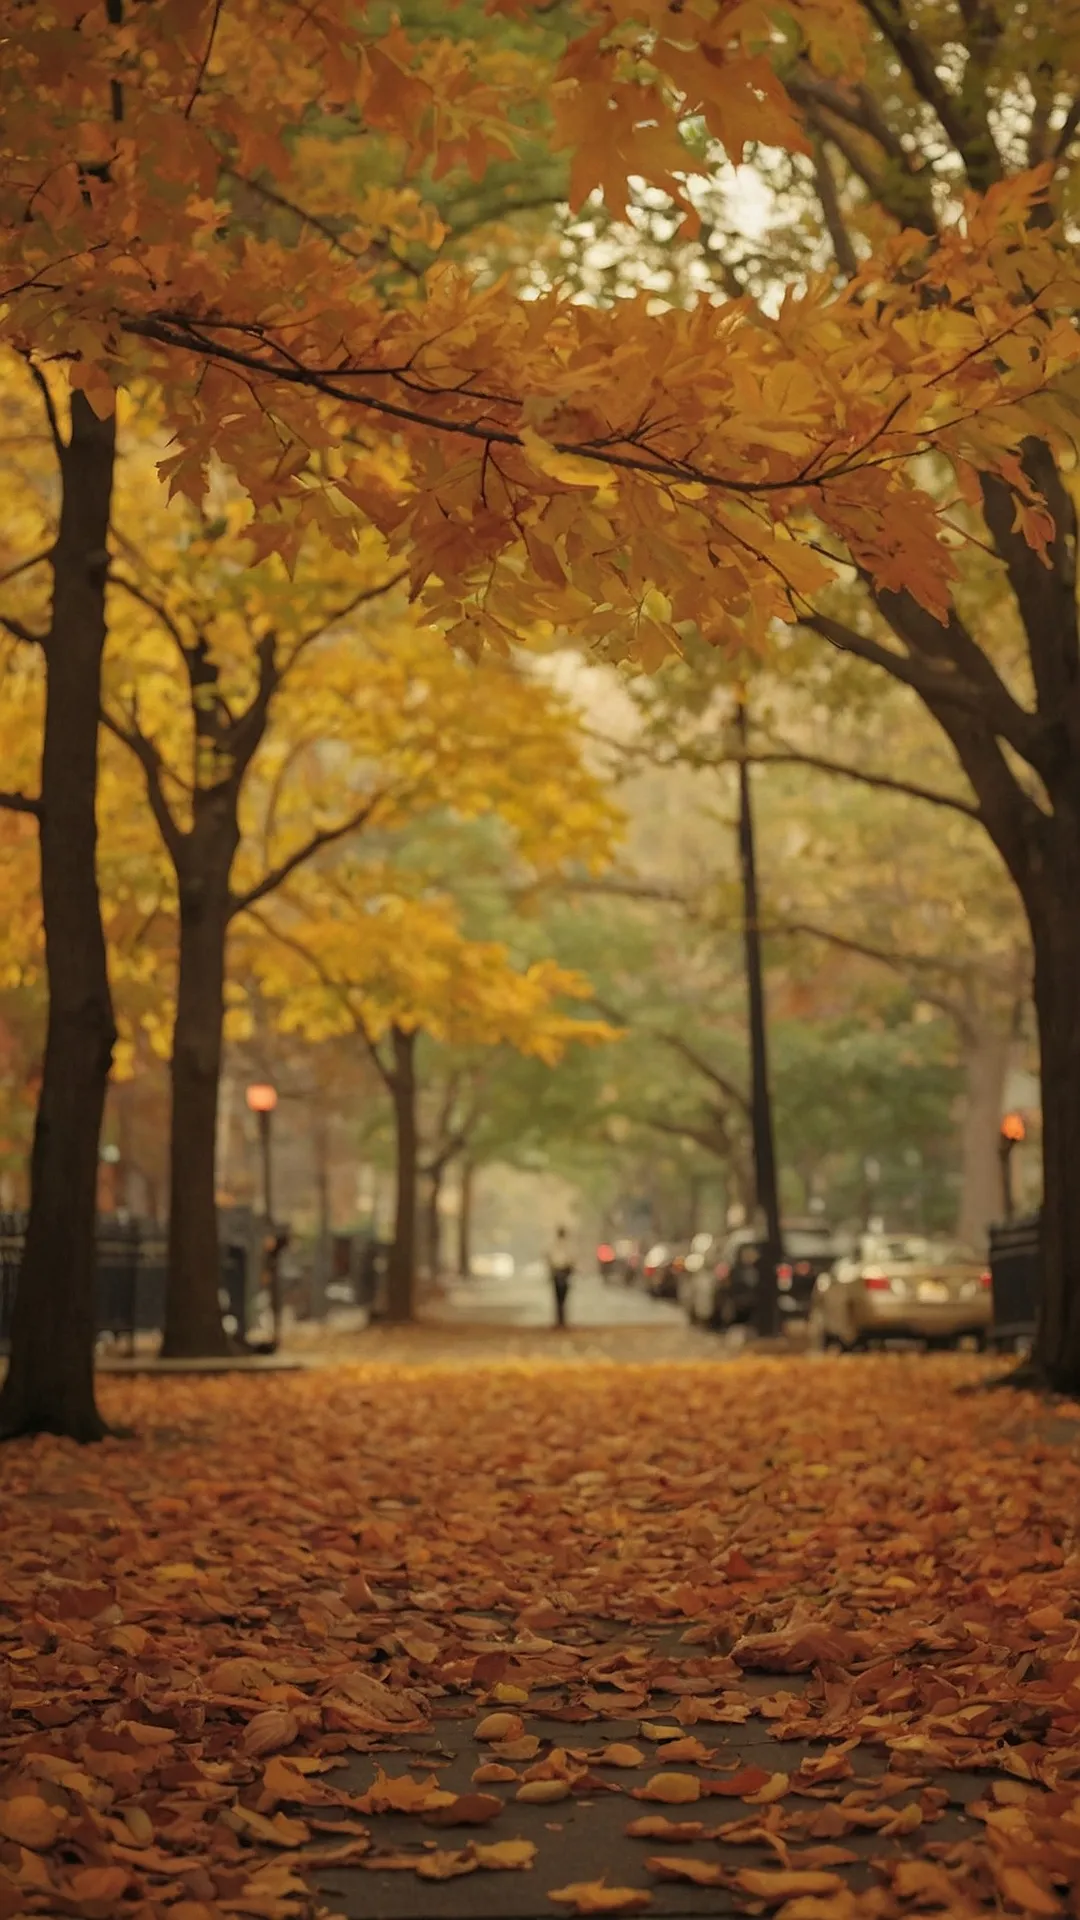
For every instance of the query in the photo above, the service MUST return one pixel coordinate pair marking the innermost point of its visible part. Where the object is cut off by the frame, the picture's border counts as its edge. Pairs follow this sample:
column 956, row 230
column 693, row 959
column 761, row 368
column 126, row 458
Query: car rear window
column 802, row 1243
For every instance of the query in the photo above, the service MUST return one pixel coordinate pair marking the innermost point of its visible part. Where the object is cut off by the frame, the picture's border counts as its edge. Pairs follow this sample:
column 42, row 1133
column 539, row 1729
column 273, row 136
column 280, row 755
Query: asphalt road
column 527, row 1301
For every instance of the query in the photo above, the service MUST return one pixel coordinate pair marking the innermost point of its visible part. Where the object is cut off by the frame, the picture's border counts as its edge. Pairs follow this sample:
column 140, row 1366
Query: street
column 526, row 1301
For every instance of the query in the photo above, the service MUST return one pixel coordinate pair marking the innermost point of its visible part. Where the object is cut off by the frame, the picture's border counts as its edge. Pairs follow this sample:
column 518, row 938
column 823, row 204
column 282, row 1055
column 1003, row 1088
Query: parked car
column 655, row 1265
column 724, row 1291
column 606, row 1262
column 702, row 1253
column 903, row 1287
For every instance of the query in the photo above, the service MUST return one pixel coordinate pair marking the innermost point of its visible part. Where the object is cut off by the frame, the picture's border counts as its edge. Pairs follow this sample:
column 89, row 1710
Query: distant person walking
column 561, row 1263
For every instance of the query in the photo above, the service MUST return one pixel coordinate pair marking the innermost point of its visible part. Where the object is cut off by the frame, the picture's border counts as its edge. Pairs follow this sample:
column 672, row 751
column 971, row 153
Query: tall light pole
column 761, row 1120
column 1012, row 1134
column 262, row 1099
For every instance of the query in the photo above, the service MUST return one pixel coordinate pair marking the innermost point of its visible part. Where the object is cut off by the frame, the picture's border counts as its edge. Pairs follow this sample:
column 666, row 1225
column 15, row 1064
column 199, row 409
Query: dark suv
column 809, row 1249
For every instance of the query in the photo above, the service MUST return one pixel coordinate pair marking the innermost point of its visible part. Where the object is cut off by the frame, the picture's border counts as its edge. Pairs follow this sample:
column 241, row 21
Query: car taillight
column 986, row 1279
column 721, row 1270
column 783, row 1277
column 876, row 1282
column 605, row 1253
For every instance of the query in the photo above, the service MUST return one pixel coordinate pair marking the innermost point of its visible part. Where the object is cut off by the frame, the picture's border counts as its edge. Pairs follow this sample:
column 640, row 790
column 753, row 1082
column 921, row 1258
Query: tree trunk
column 321, row 1264
column 1056, row 932
column 50, row 1379
column 401, row 1277
column 464, row 1232
column 986, row 1064
column 193, row 1328
column 433, row 1224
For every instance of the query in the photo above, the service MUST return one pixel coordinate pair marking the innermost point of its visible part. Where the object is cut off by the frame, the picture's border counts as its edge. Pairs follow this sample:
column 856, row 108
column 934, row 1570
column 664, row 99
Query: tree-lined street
column 540, row 706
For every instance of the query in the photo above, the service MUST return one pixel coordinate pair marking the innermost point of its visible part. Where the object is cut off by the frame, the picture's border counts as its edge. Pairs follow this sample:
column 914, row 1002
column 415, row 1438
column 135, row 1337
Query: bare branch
column 682, row 1130
column 933, row 683
column 910, row 788
column 325, row 837
column 247, row 729
column 149, row 758
column 155, row 607
column 825, row 182
column 690, row 1054
column 21, row 803
column 20, row 632
column 306, row 218
column 920, row 964
column 23, row 566
column 337, row 987
column 59, row 443
column 974, row 144
column 948, row 646
column 205, row 61
column 359, row 599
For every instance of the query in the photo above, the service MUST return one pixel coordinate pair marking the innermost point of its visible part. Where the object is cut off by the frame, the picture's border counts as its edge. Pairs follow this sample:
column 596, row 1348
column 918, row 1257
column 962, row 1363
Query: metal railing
column 131, row 1263
column 1016, row 1272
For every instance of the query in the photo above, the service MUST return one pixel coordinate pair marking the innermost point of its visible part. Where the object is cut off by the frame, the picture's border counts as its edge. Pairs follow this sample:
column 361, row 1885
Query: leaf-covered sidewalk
column 779, row 1636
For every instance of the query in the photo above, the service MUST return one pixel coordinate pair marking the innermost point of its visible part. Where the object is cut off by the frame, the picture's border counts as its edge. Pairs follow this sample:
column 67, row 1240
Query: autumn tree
column 414, row 971
column 959, row 101
column 620, row 472
column 874, row 855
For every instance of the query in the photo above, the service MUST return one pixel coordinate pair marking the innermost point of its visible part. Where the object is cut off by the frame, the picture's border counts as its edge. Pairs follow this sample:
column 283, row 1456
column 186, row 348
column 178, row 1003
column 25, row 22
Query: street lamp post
column 262, row 1099
column 761, row 1118
column 1012, row 1133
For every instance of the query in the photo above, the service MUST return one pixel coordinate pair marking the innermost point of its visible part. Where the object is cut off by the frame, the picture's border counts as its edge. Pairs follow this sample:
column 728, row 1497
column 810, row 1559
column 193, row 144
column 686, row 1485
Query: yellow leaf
column 675, row 1789
column 595, row 1896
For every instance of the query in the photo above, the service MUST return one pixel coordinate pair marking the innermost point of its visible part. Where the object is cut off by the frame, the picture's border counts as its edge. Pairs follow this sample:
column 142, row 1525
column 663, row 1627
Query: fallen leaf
column 542, row 1793
column 402, row 1794
column 739, row 1786
column 675, row 1789
column 464, row 1810
column 1023, row 1891
column 505, row 1855
column 781, row 1883
column 500, row 1726
column 774, row 1788
column 94, row 1884
column 702, row 1873
column 445, row 1866
column 29, row 1821
column 620, row 1754
column 595, row 1896
column 656, row 1826
column 270, row 1731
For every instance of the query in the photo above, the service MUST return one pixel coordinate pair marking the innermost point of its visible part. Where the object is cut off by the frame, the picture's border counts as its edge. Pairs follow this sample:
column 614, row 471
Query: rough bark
column 986, row 1064
column 464, row 1225
column 193, row 1327
column 1057, row 1003
column 323, row 1255
column 401, row 1275
column 50, row 1380
column 433, row 1223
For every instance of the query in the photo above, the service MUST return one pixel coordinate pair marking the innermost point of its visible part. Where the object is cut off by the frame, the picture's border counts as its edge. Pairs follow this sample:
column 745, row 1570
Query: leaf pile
column 229, row 1646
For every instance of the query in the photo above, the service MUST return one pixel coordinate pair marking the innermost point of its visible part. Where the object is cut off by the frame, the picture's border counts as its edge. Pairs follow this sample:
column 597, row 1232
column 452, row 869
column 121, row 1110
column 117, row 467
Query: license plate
column 932, row 1290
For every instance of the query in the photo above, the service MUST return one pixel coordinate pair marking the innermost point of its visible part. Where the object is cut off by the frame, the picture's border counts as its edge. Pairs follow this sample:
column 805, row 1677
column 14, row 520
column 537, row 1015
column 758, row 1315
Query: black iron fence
column 130, row 1276
column 1016, row 1271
